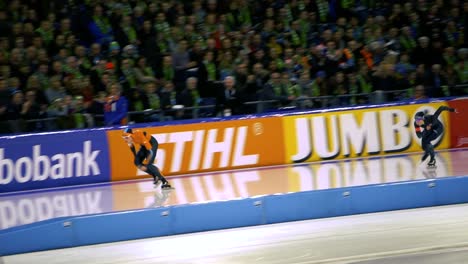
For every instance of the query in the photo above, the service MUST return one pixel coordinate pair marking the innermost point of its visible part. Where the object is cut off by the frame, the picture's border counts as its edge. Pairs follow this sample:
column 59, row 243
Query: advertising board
column 203, row 147
column 53, row 160
column 357, row 133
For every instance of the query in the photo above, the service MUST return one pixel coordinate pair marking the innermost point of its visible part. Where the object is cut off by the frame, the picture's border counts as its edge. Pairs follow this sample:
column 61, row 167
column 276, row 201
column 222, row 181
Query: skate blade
column 158, row 184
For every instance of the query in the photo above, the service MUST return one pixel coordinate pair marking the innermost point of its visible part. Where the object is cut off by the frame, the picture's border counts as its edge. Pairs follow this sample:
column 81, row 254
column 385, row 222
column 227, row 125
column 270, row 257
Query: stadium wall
column 119, row 226
column 77, row 157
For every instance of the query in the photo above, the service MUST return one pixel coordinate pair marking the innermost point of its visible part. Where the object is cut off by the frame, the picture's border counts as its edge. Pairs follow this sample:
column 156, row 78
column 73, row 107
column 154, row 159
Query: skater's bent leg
column 425, row 145
column 424, row 157
column 140, row 157
column 165, row 183
column 430, row 150
column 146, row 169
column 429, row 147
column 153, row 170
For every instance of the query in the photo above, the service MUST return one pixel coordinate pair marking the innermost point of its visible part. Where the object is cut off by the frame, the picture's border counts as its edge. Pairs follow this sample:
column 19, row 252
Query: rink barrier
column 182, row 219
column 88, row 156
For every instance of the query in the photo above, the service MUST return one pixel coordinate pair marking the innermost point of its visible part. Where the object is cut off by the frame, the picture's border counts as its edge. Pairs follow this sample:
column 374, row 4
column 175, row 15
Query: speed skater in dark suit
column 428, row 127
column 146, row 154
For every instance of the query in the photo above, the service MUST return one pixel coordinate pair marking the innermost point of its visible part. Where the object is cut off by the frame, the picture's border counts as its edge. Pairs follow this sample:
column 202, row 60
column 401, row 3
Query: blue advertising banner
column 50, row 160
column 22, row 209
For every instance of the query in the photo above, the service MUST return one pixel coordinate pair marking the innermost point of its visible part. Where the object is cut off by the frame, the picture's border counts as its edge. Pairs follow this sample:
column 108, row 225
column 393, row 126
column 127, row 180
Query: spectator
column 143, row 72
column 13, row 84
column 320, row 88
column 125, row 33
column 404, row 66
column 100, row 26
column 422, row 53
column 83, row 61
column 168, row 72
column 210, row 40
column 46, row 31
column 153, row 101
column 100, row 76
column 115, row 107
column 4, row 98
column 56, row 89
column 436, row 82
column 128, row 76
column 181, row 62
column 33, row 109
column 340, row 88
column 57, row 109
column 33, row 84
column 113, row 57
column 138, row 102
column 208, row 73
column 95, row 54
column 292, row 88
column 419, row 93
column 168, row 97
column 274, row 89
column 150, row 46
column 190, row 97
column 452, row 81
column 13, row 113
column 229, row 99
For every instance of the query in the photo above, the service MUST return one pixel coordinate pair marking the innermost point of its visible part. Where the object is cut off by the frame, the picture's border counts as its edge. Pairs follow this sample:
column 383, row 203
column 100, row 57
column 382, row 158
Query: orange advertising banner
column 203, row 147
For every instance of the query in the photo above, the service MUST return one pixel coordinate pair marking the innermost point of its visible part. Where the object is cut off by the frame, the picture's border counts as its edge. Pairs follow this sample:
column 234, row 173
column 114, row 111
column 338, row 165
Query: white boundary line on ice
column 396, row 253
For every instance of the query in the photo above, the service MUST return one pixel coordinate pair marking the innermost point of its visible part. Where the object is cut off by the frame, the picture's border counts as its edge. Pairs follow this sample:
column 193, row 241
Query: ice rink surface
column 426, row 235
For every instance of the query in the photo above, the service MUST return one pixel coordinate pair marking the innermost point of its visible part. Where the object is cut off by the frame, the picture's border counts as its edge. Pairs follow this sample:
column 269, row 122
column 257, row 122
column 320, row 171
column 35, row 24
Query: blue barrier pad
column 396, row 196
column 216, row 215
column 127, row 225
column 305, row 205
column 45, row 235
column 453, row 190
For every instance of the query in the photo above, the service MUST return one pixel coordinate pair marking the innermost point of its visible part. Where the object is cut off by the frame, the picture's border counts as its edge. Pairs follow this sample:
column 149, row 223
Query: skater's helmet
column 419, row 116
column 127, row 132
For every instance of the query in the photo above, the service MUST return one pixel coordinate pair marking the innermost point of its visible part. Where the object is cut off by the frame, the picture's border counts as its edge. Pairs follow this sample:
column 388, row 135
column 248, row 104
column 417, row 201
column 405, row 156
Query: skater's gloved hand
column 429, row 126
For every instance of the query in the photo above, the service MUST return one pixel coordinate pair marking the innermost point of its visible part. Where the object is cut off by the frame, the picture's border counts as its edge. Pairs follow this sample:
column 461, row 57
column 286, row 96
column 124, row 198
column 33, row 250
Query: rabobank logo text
column 40, row 167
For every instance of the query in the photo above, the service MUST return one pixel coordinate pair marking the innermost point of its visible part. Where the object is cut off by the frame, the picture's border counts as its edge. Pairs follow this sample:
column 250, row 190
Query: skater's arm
column 132, row 148
column 130, row 144
column 419, row 130
column 440, row 109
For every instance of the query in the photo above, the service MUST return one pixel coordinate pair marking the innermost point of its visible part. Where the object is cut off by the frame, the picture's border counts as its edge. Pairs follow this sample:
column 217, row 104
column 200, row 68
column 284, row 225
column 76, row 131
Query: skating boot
column 432, row 164
column 166, row 186
column 156, row 182
column 424, row 157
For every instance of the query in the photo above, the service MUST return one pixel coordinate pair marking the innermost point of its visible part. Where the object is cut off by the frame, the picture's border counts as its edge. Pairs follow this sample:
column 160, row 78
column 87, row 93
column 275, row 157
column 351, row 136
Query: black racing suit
column 143, row 154
column 428, row 135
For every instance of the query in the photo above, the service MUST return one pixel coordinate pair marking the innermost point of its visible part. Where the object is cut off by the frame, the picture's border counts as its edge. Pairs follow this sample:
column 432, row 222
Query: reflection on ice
column 28, row 208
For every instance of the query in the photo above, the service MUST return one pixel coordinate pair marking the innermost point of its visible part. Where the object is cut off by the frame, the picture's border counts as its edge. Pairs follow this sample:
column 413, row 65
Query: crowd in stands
column 87, row 63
